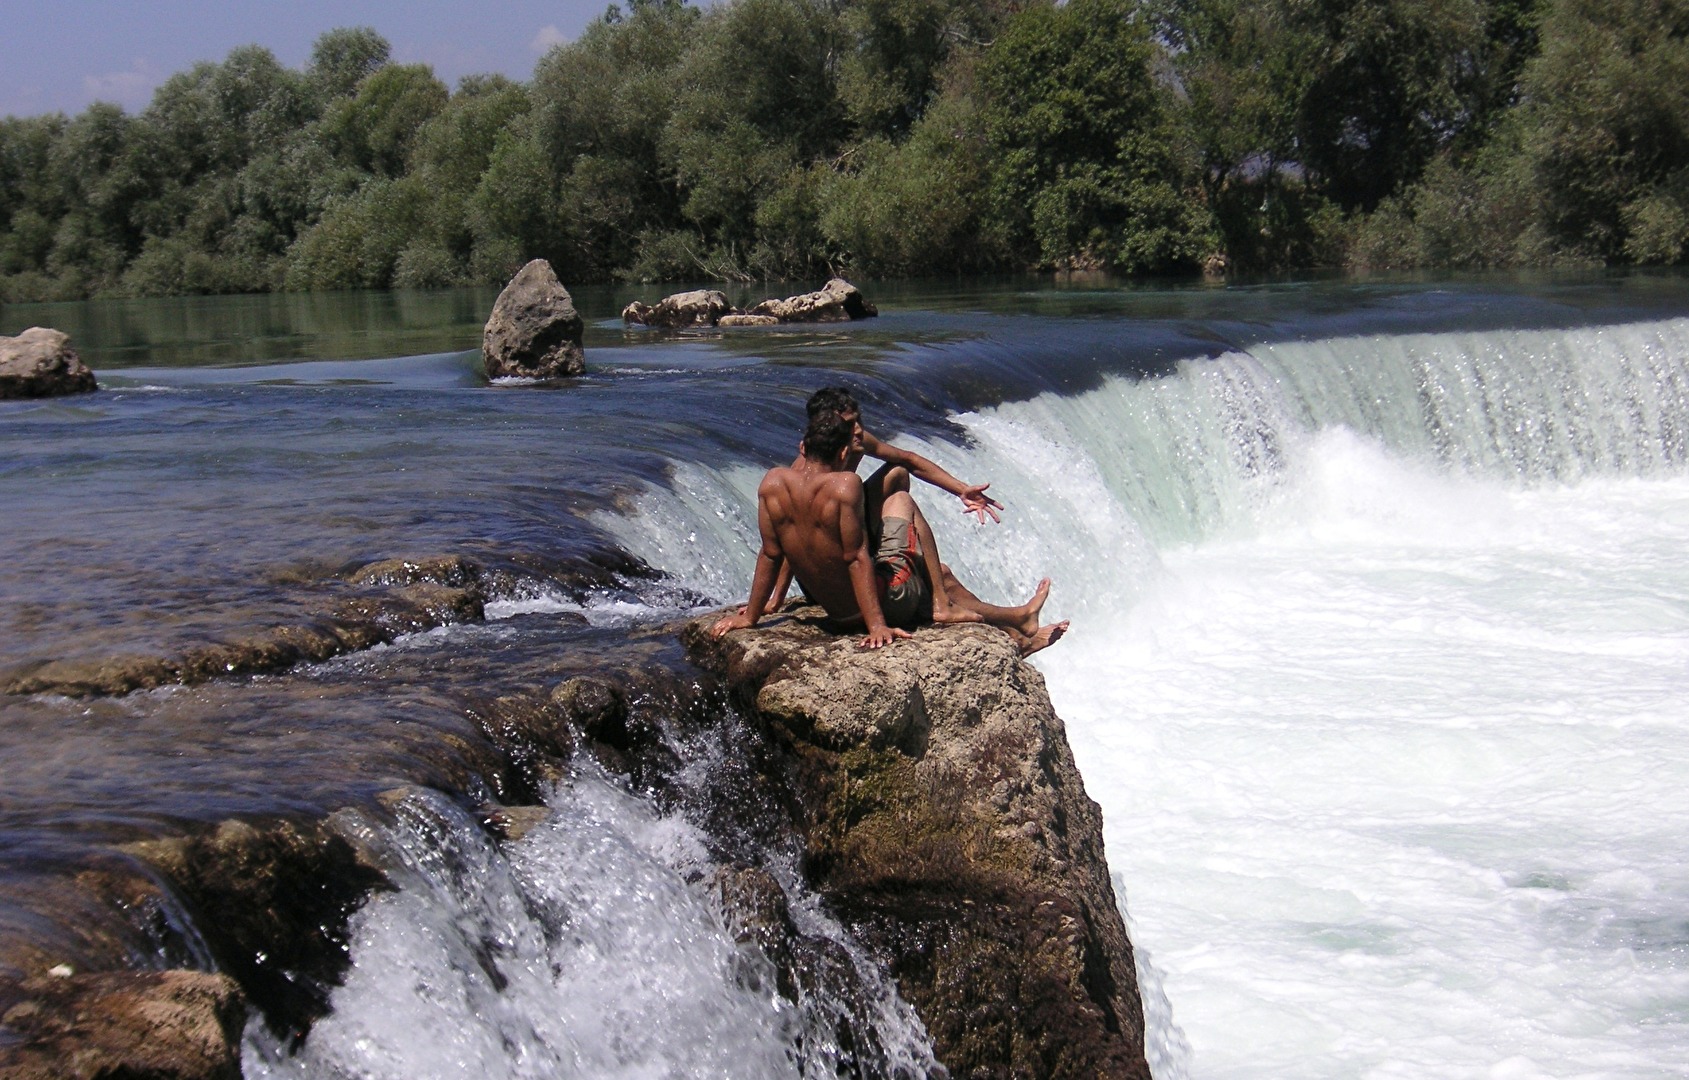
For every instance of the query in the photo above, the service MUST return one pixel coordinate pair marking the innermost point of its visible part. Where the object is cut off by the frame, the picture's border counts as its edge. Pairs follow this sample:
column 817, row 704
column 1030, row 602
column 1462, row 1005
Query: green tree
column 343, row 58
column 1607, row 116
column 757, row 97
column 1076, row 124
column 374, row 128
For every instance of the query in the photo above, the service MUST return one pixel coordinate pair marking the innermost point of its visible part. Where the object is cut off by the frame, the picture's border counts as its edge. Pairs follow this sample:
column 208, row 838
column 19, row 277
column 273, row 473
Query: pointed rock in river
column 534, row 331
column 40, row 363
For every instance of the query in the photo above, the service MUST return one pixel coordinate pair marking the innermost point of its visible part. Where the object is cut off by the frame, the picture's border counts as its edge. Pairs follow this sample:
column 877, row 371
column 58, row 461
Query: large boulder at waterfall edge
column 700, row 307
column 946, row 825
column 836, row 301
column 534, row 331
column 40, row 363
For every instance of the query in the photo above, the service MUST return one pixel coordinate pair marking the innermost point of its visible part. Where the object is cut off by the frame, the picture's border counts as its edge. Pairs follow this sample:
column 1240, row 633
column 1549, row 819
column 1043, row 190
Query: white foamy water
column 1394, row 787
column 1380, row 672
column 579, row 952
column 590, row 948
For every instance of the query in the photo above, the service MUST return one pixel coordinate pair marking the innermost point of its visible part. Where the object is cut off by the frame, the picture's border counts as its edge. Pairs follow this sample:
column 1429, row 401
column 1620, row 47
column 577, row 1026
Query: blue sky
column 61, row 57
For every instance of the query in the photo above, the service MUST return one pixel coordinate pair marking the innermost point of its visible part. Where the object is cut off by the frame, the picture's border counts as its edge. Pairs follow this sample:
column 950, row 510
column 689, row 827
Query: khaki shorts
column 905, row 595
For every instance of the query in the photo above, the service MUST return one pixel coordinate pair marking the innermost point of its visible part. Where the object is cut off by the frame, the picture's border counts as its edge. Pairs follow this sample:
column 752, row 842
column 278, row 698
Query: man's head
column 834, row 399
column 827, row 437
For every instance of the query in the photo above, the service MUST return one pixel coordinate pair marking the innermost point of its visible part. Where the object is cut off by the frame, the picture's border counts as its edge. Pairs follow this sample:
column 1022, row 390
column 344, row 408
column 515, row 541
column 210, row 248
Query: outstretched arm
column 853, row 540
column 974, row 499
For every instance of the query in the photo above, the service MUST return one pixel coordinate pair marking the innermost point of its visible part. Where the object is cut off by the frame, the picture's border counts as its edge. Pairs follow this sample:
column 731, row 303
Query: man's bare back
column 810, row 513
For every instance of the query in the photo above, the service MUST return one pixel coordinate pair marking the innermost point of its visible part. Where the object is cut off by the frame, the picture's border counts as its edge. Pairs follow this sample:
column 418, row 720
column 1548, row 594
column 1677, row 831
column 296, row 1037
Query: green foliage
column 915, row 207
column 793, row 138
column 1075, row 121
column 1608, row 108
column 374, row 128
column 343, row 58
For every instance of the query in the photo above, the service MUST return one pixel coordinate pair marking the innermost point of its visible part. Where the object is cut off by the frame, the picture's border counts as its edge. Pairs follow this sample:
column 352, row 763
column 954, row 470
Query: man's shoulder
column 843, row 482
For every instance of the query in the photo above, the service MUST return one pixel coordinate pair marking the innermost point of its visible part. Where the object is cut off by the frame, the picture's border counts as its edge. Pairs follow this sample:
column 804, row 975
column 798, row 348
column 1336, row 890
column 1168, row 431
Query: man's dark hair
column 834, row 399
column 826, row 435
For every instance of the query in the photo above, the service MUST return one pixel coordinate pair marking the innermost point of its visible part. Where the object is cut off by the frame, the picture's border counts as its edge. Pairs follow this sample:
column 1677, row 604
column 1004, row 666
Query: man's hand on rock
column 975, row 501
column 885, row 635
column 739, row 620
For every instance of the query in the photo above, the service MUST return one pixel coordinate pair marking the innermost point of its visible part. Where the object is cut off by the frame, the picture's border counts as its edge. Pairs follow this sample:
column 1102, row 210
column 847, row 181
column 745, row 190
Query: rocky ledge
column 384, row 600
column 947, row 825
column 926, row 791
column 40, row 363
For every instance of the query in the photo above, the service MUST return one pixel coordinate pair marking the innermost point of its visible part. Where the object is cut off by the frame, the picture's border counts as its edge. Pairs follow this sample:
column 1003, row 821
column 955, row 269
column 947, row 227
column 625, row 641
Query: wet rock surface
column 40, row 363
column 946, row 823
column 138, row 1025
column 534, row 331
column 271, row 904
column 386, row 599
column 923, row 793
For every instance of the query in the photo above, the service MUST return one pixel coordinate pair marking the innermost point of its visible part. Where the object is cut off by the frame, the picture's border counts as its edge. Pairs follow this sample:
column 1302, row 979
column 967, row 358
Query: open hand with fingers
column 975, row 501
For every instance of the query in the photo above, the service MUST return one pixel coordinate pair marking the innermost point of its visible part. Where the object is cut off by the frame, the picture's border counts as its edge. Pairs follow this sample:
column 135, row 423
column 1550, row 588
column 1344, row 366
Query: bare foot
column 1030, row 610
column 1043, row 637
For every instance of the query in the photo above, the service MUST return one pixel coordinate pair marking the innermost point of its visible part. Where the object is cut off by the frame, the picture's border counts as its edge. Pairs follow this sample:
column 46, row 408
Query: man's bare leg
column 1023, row 617
column 887, row 495
column 899, row 504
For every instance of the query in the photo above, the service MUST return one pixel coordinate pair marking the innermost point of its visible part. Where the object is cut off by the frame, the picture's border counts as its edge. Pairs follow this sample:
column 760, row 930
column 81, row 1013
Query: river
column 1378, row 661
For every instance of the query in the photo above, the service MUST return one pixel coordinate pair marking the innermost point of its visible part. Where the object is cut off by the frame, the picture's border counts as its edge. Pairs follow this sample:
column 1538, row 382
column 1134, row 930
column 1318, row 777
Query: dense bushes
column 767, row 138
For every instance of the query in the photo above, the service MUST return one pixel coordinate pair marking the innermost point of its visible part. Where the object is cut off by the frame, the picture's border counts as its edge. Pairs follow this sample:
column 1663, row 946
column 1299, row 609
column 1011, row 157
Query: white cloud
column 548, row 38
column 131, row 89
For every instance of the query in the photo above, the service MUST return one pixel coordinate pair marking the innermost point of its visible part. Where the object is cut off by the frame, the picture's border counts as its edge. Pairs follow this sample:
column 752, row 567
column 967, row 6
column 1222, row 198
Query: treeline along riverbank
column 783, row 138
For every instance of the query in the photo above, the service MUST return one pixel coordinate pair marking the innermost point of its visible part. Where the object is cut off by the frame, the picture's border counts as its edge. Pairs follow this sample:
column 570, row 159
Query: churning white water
column 589, row 948
column 1380, row 672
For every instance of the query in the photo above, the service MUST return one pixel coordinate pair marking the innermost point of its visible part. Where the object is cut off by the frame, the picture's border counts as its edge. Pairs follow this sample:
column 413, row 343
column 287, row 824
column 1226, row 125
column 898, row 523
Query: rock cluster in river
column 40, row 363
column 836, row 301
column 534, row 331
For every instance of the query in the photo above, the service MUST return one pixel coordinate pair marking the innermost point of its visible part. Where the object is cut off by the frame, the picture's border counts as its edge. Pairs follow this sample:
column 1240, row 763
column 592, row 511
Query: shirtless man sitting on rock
column 812, row 517
column 891, row 477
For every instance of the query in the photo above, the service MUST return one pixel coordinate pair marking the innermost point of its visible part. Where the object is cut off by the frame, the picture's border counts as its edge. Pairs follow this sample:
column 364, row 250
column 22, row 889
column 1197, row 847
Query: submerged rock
column 836, row 301
column 40, row 363
column 534, row 331
column 947, row 825
column 392, row 597
column 701, row 307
